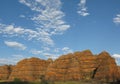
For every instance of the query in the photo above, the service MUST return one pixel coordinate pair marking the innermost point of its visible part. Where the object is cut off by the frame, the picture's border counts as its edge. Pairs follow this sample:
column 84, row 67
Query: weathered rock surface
column 83, row 65
column 73, row 66
column 119, row 73
column 106, row 69
column 79, row 65
column 29, row 69
column 119, row 69
column 5, row 71
column 64, row 68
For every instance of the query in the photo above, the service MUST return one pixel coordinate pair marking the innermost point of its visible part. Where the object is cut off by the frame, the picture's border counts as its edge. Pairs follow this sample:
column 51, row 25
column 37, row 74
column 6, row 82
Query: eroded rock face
column 73, row 66
column 5, row 71
column 106, row 68
column 79, row 65
column 29, row 69
column 119, row 69
column 87, row 64
column 64, row 68
column 119, row 72
column 83, row 65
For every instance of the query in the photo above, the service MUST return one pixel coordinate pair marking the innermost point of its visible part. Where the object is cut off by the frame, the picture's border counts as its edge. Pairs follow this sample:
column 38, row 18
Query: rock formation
column 119, row 69
column 106, row 69
column 83, row 65
column 29, row 69
column 64, row 68
column 5, row 71
column 119, row 73
column 73, row 66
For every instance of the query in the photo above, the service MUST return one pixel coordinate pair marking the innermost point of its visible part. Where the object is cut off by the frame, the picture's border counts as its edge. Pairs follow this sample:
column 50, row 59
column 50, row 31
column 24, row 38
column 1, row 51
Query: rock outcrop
column 106, row 69
column 79, row 65
column 83, row 65
column 119, row 73
column 64, row 68
column 73, row 66
column 5, row 71
column 29, row 69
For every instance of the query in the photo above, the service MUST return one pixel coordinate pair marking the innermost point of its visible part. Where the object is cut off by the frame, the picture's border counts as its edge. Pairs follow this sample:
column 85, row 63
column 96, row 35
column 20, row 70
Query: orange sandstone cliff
column 83, row 66
column 5, row 71
column 29, row 69
column 73, row 66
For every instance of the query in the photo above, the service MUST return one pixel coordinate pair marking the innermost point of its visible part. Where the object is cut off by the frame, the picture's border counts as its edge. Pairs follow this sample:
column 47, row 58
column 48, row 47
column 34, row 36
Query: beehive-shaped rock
column 87, row 63
column 83, row 65
column 73, row 66
column 29, row 69
column 79, row 65
column 107, row 69
column 64, row 68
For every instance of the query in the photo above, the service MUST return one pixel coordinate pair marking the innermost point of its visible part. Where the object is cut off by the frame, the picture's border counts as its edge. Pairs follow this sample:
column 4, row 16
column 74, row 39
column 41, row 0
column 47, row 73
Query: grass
column 60, row 82
column 67, row 82
column 39, row 83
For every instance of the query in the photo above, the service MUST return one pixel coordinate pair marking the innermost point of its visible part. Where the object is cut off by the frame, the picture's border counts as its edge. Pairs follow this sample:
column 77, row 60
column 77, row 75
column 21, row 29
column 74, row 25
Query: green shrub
column 17, row 81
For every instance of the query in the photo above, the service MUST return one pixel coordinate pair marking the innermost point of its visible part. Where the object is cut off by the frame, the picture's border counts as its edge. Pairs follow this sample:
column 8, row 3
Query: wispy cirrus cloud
column 15, row 45
column 49, row 16
column 55, row 53
column 44, row 53
column 82, row 10
column 13, row 31
column 36, row 52
column 49, row 55
column 67, row 50
column 48, row 19
column 116, row 20
column 12, row 60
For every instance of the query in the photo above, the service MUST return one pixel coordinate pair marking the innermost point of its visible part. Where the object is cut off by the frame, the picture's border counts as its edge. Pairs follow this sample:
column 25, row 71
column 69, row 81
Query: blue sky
column 50, row 28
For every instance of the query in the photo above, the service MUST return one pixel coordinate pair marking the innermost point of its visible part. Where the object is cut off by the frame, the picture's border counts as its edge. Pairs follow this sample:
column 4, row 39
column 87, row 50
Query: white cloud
column 17, row 58
column 49, row 55
column 11, row 30
column 46, row 48
column 11, row 60
column 48, row 20
column 116, row 55
column 36, row 52
column 54, row 54
column 45, row 52
column 66, row 50
column 82, row 8
column 117, row 19
column 117, row 58
column 22, row 16
column 4, row 61
column 15, row 45
column 49, row 17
